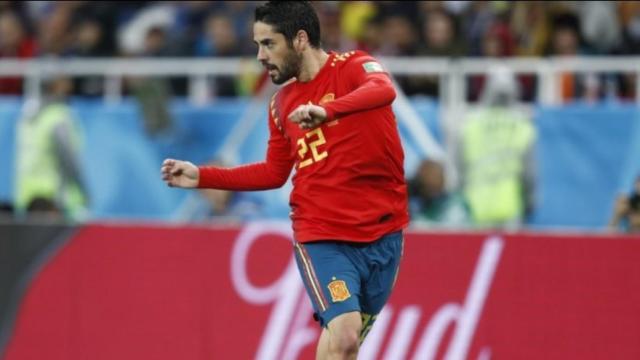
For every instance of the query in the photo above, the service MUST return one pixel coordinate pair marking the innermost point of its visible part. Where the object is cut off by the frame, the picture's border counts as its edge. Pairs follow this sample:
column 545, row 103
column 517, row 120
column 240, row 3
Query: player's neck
column 312, row 62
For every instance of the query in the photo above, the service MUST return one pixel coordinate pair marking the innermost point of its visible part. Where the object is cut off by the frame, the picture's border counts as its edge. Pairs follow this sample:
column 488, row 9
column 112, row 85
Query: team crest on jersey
column 372, row 66
column 339, row 291
column 327, row 98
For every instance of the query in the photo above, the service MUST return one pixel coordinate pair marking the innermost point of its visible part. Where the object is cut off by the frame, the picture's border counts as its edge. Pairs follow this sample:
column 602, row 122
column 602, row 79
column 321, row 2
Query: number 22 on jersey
column 311, row 140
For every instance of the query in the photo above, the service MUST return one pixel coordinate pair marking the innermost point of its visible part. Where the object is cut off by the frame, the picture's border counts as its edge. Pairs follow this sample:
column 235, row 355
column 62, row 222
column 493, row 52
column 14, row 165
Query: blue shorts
column 342, row 277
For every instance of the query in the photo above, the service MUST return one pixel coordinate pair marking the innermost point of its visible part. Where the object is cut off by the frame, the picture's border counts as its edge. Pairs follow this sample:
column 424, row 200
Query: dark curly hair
column 289, row 17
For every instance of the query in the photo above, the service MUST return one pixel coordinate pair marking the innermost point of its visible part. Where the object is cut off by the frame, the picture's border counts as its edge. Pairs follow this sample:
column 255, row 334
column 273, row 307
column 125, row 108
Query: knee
column 345, row 342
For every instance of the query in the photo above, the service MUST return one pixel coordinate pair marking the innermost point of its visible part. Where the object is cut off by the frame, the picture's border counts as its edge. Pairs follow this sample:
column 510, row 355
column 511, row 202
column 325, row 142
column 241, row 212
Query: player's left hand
column 308, row 116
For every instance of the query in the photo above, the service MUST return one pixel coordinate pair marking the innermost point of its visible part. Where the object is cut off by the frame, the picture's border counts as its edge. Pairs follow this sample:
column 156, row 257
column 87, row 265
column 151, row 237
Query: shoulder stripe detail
column 273, row 111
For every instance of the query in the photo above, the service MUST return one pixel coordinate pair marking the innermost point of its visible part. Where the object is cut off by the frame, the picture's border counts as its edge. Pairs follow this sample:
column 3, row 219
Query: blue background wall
column 586, row 155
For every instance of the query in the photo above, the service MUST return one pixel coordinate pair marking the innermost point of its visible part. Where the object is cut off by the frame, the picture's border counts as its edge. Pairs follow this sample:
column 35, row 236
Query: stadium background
column 150, row 274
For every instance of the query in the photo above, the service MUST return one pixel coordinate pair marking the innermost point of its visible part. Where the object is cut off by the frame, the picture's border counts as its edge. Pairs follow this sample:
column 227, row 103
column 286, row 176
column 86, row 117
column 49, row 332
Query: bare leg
column 340, row 341
column 322, row 351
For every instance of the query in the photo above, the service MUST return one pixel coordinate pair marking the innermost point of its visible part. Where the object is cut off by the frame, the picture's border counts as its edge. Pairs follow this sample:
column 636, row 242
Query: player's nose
column 261, row 56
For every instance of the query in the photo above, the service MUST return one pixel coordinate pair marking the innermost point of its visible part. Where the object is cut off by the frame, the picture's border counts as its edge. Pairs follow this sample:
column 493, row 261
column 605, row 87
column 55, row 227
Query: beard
column 290, row 68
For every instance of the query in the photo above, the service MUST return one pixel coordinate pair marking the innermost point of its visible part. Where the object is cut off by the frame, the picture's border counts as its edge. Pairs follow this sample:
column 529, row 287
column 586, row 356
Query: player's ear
column 301, row 40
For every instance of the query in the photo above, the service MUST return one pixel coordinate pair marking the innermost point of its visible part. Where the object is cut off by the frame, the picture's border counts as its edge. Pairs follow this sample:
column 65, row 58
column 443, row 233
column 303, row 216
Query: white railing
column 115, row 69
column 452, row 72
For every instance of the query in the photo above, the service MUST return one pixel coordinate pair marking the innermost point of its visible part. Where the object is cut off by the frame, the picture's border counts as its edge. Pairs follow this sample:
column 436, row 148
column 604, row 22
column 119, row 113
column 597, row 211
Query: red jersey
column 349, row 183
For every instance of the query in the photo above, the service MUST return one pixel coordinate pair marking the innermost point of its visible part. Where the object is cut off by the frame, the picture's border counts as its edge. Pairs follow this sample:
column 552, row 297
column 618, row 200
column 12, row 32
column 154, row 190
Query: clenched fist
column 308, row 116
column 180, row 173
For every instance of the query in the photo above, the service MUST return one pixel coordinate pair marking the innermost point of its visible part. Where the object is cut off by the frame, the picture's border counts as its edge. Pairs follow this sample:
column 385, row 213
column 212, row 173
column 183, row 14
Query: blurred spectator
column 241, row 13
column 155, row 42
column 499, row 42
column 147, row 25
column 476, row 20
column 440, row 40
column 409, row 10
column 586, row 87
column 604, row 26
column 44, row 209
column 371, row 39
column 104, row 15
column 48, row 154
column 54, row 36
column 440, row 36
column 626, row 213
column 333, row 38
column 399, row 37
column 6, row 210
column 599, row 25
column 565, row 42
column 88, row 41
column 221, row 40
column 219, row 37
column 629, row 13
column 153, row 94
column 497, row 155
column 430, row 203
column 434, row 28
column 189, row 21
column 530, row 26
column 456, row 7
column 14, row 43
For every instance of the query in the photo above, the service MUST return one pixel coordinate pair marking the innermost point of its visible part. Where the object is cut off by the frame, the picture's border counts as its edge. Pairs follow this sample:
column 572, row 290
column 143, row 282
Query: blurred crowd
column 495, row 162
column 489, row 29
column 393, row 28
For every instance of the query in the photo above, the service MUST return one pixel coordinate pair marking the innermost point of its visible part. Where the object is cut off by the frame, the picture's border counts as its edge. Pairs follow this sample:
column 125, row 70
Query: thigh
column 383, row 259
column 330, row 277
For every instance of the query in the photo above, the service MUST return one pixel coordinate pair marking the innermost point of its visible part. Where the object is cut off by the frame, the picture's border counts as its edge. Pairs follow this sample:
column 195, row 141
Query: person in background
column 565, row 43
column 496, row 156
column 43, row 209
column 88, row 42
column 626, row 213
column 440, row 39
column 48, row 154
column 14, row 43
column 6, row 211
column 531, row 27
column 153, row 94
column 220, row 40
column 430, row 203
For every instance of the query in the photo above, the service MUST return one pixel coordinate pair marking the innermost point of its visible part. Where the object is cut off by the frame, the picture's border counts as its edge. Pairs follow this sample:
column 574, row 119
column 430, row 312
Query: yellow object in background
column 354, row 15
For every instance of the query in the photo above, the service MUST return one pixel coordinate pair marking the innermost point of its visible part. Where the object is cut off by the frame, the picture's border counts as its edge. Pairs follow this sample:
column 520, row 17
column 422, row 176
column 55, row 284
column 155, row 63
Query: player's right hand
column 178, row 173
column 308, row 116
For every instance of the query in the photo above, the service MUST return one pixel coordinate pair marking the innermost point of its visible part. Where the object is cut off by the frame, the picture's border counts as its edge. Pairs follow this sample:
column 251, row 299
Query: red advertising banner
column 151, row 292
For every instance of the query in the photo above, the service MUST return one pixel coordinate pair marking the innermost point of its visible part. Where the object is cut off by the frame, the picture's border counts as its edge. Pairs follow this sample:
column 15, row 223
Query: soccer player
column 331, row 120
